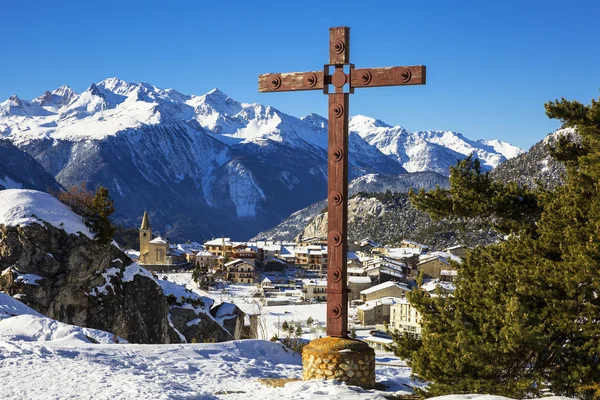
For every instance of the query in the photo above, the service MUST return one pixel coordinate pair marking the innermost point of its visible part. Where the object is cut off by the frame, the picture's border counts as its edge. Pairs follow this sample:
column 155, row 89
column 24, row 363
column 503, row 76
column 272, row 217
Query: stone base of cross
column 337, row 356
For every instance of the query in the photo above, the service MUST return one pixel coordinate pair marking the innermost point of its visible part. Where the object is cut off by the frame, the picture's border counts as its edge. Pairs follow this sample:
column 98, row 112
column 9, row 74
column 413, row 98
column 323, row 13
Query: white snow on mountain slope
column 429, row 150
column 243, row 189
column 233, row 122
column 24, row 207
column 115, row 107
column 19, row 323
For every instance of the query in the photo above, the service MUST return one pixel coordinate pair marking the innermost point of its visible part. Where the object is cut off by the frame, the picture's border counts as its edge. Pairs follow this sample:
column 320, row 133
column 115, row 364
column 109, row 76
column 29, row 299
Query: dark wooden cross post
column 344, row 80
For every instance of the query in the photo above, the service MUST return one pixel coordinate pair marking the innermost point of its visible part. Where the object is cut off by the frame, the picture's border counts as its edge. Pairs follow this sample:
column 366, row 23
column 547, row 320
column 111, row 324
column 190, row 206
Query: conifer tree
column 102, row 208
column 525, row 313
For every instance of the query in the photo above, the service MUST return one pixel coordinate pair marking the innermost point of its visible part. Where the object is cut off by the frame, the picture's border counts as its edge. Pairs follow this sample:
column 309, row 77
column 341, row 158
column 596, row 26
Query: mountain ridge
column 205, row 165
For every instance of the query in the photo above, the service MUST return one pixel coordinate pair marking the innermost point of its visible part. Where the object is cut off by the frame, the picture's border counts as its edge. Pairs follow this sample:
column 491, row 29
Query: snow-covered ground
column 192, row 371
column 44, row 359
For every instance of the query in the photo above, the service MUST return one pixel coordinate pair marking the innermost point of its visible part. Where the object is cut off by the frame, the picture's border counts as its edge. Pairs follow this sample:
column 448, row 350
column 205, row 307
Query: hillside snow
column 24, row 207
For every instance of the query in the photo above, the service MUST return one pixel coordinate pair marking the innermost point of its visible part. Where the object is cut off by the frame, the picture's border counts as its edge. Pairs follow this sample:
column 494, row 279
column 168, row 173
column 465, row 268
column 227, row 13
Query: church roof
column 158, row 240
column 145, row 222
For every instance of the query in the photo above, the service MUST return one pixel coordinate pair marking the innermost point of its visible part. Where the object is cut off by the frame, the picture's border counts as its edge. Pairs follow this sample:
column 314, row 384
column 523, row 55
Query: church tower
column 145, row 236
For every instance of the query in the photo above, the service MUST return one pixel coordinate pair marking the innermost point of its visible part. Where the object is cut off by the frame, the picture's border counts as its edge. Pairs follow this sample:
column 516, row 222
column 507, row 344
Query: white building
column 404, row 317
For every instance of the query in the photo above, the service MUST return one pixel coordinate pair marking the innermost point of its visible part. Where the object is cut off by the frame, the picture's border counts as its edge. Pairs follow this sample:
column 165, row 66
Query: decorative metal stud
column 309, row 80
column 336, row 198
column 339, row 46
column 335, row 310
column 337, row 154
column 337, row 110
column 336, row 238
column 336, row 275
column 274, row 82
column 405, row 75
column 365, row 77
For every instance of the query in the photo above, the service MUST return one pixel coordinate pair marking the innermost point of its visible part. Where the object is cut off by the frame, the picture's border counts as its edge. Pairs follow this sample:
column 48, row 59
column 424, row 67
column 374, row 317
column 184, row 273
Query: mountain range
column 208, row 165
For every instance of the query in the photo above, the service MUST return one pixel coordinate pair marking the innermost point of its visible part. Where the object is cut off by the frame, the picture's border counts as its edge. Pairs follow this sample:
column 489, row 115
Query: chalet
column 376, row 311
column 386, row 289
column 204, row 258
column 274, row 265
column 240, row 271
column 458, row 250
column 423, row 248
column 432, row 264
column 357, row 284
column 315, row 289
column 245, row 253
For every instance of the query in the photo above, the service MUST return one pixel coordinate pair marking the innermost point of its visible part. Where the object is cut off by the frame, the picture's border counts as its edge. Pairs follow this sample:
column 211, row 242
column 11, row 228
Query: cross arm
column 360, row 78
column 291, row 81
column 388, row 76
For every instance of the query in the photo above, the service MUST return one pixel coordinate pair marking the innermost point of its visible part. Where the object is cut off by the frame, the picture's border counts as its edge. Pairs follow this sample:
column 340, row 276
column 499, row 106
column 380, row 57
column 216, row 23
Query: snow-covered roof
column 413, row 243
column 311, row 282
column 433, row 284
column 234, row 262
column 218, row 242
column 440, row 255
column 352, row 256
column 449, row 272
column 204, row 253
column 379, row 340
column 390, row 301
column 356, row 270
column 24, row 207
column 159, row 240
column 275, row 259
column 359, row 279
column 383, row 286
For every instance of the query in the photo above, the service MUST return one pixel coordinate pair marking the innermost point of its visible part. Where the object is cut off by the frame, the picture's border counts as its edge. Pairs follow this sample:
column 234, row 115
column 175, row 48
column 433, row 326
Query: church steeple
column 145, row 222
column 145, row 237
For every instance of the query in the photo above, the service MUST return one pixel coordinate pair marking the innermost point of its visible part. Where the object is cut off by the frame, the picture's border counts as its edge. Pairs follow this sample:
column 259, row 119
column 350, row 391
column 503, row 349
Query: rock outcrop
column 76, row 280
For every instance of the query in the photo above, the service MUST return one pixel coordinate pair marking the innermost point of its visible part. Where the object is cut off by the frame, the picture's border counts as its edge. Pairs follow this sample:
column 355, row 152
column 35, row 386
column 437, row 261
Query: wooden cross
column 344, row 79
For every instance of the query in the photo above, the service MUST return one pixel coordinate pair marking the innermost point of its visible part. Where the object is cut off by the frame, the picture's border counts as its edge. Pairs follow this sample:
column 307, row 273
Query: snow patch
column 19, row 207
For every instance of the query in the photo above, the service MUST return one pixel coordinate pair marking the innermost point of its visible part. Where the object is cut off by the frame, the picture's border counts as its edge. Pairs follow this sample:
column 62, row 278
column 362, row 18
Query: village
column 282, row 286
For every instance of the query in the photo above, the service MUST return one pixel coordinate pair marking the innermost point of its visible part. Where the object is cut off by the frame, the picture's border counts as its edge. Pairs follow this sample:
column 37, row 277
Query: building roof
column 159, row 240
column 218, row 242
column 433, row 284
column 383, row 286
column 379, row 340
column 312, row 282
column 440, row 255
column 359, row 279
column 390, row 301
column 423, row 246
column 204, row 253
column 234, row 262
column 275, row 259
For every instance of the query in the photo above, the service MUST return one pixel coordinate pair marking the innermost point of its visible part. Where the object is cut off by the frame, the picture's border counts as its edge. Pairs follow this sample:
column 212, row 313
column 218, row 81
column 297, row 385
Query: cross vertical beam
column 337, row 204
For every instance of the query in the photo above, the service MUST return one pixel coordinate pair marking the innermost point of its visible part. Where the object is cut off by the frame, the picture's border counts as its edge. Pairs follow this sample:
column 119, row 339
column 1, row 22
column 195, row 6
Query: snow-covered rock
column 24, row 207
column 21, row 323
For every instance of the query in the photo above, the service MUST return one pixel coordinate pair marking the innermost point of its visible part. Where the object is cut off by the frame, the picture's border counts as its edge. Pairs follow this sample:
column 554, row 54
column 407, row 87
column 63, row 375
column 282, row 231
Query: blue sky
column 490, row 65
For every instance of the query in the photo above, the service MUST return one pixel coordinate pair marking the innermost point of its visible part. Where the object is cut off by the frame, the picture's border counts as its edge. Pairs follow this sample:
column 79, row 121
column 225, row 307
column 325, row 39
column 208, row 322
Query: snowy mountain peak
column 362, row 122
column 117, row 86
column 15, row 101
column 316, row 120
column 65, row 91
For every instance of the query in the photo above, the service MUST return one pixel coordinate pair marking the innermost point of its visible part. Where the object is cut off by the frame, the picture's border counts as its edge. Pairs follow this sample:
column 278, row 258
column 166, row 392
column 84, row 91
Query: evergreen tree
column 102, row 208
column 310, row 321
column 298, row 331
column 285, row 326
column 524, row 315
